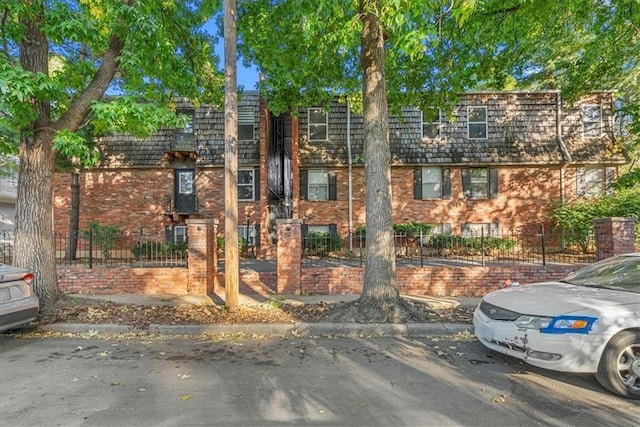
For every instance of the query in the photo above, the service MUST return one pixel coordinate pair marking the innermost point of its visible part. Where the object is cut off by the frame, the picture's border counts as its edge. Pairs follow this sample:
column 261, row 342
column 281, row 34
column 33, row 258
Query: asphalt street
column 156, row 380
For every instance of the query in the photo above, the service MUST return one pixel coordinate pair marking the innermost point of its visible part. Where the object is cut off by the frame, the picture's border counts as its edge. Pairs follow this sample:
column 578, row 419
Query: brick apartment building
column 497, row 162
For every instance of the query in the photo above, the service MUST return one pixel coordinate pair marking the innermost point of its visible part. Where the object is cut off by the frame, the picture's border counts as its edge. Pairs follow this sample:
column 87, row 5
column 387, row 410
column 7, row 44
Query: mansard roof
column 122, row 150
column 522, row 129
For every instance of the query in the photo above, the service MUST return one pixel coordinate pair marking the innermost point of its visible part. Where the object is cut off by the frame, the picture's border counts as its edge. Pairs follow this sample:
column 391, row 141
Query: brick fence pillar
column 614, row 236
column 201, row 259
column 289, row 256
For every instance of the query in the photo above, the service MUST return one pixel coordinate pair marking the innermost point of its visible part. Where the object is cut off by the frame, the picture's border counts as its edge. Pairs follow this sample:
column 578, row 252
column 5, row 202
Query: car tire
column 619, row 368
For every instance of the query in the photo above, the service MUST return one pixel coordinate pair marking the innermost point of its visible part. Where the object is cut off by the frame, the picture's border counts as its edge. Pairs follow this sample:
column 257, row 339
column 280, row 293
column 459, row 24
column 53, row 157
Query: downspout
column 563, row 148
column 350, row 181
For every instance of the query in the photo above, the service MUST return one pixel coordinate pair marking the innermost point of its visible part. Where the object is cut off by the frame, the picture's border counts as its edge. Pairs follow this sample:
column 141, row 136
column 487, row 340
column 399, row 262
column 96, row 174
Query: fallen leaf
column 185, row 397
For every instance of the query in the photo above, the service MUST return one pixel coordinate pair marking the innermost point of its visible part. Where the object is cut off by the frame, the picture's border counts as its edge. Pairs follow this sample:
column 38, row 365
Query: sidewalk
column 297, row 329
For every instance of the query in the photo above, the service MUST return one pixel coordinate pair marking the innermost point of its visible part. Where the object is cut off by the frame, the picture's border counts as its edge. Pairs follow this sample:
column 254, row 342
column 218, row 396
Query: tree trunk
column 380, row 263
column 34, row 243
column 74, row 218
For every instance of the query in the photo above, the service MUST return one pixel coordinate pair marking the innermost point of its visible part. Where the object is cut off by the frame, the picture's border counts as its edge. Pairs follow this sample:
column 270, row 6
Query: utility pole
column 231, row 261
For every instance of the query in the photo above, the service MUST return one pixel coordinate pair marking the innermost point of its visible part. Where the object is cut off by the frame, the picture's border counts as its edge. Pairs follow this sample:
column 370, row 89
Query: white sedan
column 588, row 322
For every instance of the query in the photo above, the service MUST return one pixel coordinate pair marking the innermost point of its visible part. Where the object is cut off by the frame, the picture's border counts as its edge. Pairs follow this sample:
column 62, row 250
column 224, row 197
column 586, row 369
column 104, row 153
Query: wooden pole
column 231, row 262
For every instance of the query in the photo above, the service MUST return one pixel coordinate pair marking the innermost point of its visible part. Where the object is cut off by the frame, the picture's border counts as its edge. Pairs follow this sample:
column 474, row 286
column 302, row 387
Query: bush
column 448, row 241
column 576, row 218
column 321, row 244
column 104, row 236
column 151, row 250
column 413, row 229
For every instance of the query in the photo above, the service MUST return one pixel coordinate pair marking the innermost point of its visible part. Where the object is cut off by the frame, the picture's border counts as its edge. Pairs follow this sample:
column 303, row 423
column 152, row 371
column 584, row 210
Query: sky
column 247, row 77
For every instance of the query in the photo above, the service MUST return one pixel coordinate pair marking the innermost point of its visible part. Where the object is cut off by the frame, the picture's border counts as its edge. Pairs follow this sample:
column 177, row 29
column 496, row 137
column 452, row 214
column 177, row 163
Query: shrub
column 321, row 244
column 104, row 236
column 152, row 249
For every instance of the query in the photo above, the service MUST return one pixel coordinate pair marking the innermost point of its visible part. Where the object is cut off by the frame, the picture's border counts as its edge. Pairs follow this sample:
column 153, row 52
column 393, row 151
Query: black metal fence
column 141, row 248
column 6, row 247
column 533, row 246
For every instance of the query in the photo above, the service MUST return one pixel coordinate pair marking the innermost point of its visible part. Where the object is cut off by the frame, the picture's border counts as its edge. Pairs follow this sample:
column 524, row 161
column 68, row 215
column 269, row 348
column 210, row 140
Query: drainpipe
column 563, row 147
column 350, row 182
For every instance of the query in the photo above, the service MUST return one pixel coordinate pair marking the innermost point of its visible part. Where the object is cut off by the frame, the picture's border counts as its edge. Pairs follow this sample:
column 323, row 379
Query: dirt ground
column 85, row 310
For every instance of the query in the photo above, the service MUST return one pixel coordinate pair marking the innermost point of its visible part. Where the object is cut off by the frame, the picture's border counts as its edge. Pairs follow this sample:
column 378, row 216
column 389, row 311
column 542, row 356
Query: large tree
column 58, row 59
column 390, row 53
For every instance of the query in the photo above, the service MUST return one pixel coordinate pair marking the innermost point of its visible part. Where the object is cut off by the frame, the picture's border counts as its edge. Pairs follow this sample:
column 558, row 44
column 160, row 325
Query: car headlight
column 569, row 324
column 532, row 322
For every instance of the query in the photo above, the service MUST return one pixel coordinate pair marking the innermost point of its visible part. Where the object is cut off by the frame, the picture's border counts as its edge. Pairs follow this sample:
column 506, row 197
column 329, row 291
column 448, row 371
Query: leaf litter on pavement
column 93, row 311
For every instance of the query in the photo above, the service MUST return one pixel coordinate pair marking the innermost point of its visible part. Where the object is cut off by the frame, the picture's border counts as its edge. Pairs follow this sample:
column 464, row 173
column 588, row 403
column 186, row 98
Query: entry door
column 185, row 191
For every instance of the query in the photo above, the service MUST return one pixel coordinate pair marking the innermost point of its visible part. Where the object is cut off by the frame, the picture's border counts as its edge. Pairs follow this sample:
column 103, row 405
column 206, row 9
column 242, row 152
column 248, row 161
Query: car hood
column 555, row 298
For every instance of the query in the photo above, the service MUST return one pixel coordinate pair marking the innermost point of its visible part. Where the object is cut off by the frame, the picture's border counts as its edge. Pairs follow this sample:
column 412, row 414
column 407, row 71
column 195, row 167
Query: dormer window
column 591, row 121
column 430, row 123
column 246, row 125
column 477, row 122
column 184, row 137
column 318, row 124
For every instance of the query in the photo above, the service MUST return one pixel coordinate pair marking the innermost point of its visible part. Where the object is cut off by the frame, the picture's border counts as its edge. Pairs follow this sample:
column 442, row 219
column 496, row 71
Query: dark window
column 477, row 122
column 480, row 183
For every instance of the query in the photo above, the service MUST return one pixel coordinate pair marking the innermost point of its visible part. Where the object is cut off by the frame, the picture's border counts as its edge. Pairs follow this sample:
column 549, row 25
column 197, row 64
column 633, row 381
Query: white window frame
column 318, row 124
column 246, row 118
column 437, row 124
column 435, row 182
column 250, row 239
column 588, row 121
column 318, row 228
column 476, row 182
column 185, row 182
column 484, row 122
column 251, row 185
column 179, row 233
column 315, row 187
column 595, row 181
column 187, row 129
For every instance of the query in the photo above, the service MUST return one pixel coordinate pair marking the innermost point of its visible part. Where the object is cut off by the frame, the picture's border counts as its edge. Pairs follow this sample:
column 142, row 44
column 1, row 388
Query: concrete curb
column 298, row 329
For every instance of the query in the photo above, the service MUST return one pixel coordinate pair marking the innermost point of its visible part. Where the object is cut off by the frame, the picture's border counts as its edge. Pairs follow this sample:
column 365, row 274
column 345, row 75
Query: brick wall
column 436, row 281
column 524, row 198
column 122, row 280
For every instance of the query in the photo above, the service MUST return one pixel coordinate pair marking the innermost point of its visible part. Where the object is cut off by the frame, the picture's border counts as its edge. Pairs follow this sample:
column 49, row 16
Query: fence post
column 614, row 236
column 421, row 253
column 482, row 247
column 201, row 257
column 289, row 256
column 90, row 248
column 544, row 248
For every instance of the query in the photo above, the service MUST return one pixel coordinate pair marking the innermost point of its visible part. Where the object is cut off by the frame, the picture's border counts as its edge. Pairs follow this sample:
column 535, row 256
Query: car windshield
column 620, row 273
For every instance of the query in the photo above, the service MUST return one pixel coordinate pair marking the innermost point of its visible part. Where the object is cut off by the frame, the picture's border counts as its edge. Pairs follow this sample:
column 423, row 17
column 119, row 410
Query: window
column 317, row 184
column 249, row 235
column 179, row 233
column 431, row 123
column 479, row 229
column 480, row 183
column 477, row 122
column 591, row 120
column 318, row 124
column 318, row 229
column 594, row 181
column 246, row 125
column 184, row 135
column 246, row 184
column 185, row 182
column 432, row 183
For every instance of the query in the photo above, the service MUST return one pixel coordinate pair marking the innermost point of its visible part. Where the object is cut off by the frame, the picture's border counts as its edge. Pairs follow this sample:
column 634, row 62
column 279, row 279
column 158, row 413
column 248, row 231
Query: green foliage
column 104, row 236
column 449, row 241
column 578, row 215
column 412, row 228
column 322, row 244
column 151, row 249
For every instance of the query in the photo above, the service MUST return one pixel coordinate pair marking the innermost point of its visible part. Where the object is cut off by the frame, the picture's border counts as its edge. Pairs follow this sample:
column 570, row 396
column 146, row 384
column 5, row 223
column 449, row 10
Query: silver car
column 18, row 303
